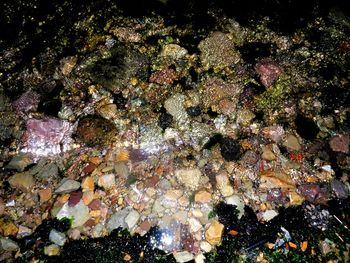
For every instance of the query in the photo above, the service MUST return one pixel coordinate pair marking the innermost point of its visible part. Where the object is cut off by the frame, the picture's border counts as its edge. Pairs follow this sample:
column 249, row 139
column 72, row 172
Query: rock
column 324, row 247
column 200, row 258
column 49, row 171
column 106, row 181
column 173, row 195
column 87, row 197
column 132, row 218
column 218, row 51
column 238, row 202
column 244, row 117
column 68, row 64
column 8, row 244
column 267, row 154
column 173, row 51
column 118, row 220
column 292, row 143
column 22, row 181
column 223, row 184
column 108, row 111
column 20, row 162
column 205, row 246
column 74, row 234
column 214, row 233
column 202, row 197
column 271, row 179
column 340, row 143
column 190, row 178
column 45, row 194
column 309, row 191
column 8, row 228
column 274, row 133
column 194, row 224
column 52, row 250
column 295, row 198
column 79, row 213
column 175, row 107
column 88, row 183
column 74, row 198
column 269, row 72
column 269, row 214
column 67, row 186
column 27, row 102
column 23, row 231
column 163, row 77
column 183, row 256
column 57, row 238
column 2, row 206
column 340, row 189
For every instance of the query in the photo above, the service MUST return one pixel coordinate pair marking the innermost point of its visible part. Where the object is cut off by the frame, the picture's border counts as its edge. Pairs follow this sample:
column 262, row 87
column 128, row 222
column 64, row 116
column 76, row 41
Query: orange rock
column 214, row 233
column 63, row 198
column 95, row 160
column 8, row 228
column 271, row 179
column 88, row 183
column 45, row 194
column 303, row 246
column 203, row 197
column 88, row 196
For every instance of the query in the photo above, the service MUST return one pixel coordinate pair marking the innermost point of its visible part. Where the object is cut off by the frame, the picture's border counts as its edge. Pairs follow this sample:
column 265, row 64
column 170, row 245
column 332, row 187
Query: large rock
column 189, row 177
column 8, row 244
column 118, row 220
column 78, row 213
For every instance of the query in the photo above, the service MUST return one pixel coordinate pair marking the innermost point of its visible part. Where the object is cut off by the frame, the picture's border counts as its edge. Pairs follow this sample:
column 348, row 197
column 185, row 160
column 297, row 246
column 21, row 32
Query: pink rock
column 43, row 137
column 74, row 198
column 27, row 102
column 340, row 143
column 95, row 204
column 269, row 71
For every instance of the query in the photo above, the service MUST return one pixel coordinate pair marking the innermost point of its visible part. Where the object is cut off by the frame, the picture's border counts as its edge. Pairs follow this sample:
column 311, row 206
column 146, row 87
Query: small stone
column 205, row 246
column 340, row 143
column 8, row 228
column 57, row 238
column 74, row 198
column 145, row 226
column 88, row 196
column 173, row 51
column 95, row 204
column 200, row 258
column 224, row 185
column 175, row 107
column 106, row 181
column 340, row 189
column 194, row 224
column 173, row 195
column 79, row 213
column 271, row 179
column 309, row 191
column 132, row 218
column 292, row 143
column 108, row 111
column 23, row 231
column 190, row 178
column 68, row 65
column 183, row 201
column 183, row 256
column 295, row 198
column 324, row 247
column 203, row 197
column 238, row 202
column 269, row 214
column 74, row 234
column 20, row 162
column 45, row 194
column 117, row 220
column 244, row 117
column 267, row 154
column 22, row 181
column 88, row 183
column 67, row 186
column 49, row 171
column 274, row 133
column 2, row 206
column 8, row 244
column 214, row 233
column 52, row 250
column 163, row 77
column 269, row 72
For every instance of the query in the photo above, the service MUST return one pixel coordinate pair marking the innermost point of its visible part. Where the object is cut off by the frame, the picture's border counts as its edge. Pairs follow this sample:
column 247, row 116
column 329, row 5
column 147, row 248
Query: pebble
column 267, row 154
column 88, row 196
column 190, row 178
column 238, row 202
column 22, row 181
column 74, row 234
column 20, row 162
column 340, row 189
column 244, row 117
column 175, row 107
column 183, row 256
column 8, row 244
column 45, row 194
column 224, row 185
column 194, row 224
column 200, row 258
column 8, row 228
column 52, row 250
column 214, row 233
column 132, row 218
column 340, row 143
column 117, row 220
column 67, row 186
column 79, row 213
column 269, row 214
column 205, row 246
column 106, row 181
column 173, row 51
column 274, row 133
column 88, row 184
column 49, row 171
column 292, row 143
column 202, row 197
column 57, row 237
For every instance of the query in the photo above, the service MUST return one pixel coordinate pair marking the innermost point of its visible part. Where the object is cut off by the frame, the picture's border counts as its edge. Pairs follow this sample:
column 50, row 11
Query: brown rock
column 74, row 198
column 203, row 197
column 8, row 228
column 340, row 143
column 22, row 181
column 88, row 196
column 162, row 77
column 292, row 143
column 145, row 226
column 214, row 233
column 267, row 154
column 95, row 204
column 45, row 195
column 270, row 180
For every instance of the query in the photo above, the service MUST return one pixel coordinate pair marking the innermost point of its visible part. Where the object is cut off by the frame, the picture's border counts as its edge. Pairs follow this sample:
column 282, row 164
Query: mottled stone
column 274, row 133
column 67, row 186
column 224, row 185
column 88, row 183
column 194, row 224
column 79, row 213
column 45, row 194
column 175, row 107
column 57, row 237
column 190, row 178
column 22, row 181
column 183, row 256
column 340, row 189
column 132, row 218
column 8, row 244
column 202, row 197
column 52, row 250
column 173, row 51
column 20, row 162
column 340, row 143
column 106, row 181
column 214, row 233
column 117, row 220
column 292, row 143
column 269, row 72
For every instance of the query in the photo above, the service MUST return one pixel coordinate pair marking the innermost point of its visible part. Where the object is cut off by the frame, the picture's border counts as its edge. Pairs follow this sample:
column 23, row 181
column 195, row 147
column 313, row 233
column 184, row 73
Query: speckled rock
column 190, row 178
column 218, row 51
column 117, row 220
column 194, row 224
column 106, row 181
column 175, row 107
column 224, row 185
column 274, row 133
column 173, row 51
column 52, row 250
column 214, row 233
column 340, row 143
column 8, row 244
column 132, row 218
column 202, row 197
column 20, row 162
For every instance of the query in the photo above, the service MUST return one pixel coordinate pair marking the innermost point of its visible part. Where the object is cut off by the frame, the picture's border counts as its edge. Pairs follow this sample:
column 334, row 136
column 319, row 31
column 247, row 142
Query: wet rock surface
column 162, row 132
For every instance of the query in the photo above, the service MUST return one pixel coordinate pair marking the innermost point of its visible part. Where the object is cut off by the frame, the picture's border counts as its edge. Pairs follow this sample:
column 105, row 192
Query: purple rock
column 27, row 102
column 275, row 195
column 339, row 189
column 309, row 191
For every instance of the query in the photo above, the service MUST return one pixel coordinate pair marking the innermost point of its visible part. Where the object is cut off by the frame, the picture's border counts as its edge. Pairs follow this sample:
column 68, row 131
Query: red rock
column 145, row 226
column 89, row 168
column 269, row 72
column 95, row 204
column 74, row 198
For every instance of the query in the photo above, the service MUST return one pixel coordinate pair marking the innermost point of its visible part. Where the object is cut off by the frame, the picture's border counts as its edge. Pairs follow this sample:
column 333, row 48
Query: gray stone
column 79, row 213
column 57, row 238
column 8, row 244
column 48, row 171
column 118, row 220
column 20, row 162
column 132, row 218
column 67, row 186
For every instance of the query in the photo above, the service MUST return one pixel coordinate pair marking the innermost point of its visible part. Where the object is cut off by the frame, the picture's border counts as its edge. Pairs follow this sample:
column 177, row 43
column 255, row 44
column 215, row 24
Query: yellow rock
column 214, row 233
column 203, row 197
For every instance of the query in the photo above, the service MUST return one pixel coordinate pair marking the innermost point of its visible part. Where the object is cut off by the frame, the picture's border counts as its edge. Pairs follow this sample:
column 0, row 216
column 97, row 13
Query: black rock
column 230, row 149
column 194, row 111
column 165, row 120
